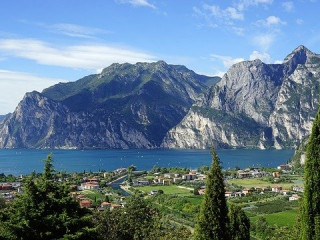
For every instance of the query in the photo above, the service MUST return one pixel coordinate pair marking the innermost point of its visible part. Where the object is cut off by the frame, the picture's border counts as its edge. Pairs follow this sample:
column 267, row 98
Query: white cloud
column 264, row 41
column 68, row 29
column 278, row 61
column 226, row 60
column 77, row 56
column 247, row 3
column 271, row 21
column 228, row 14
column 139, row 3
column 15, row 84
column 73, row 30
column 299, row 21
column 288, row 6
column 264, row 57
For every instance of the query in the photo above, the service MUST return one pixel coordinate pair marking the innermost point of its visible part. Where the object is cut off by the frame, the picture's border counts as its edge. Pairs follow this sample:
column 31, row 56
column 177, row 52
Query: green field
column 258, row 182
column 94, row 195
column 286, row 218
column 171, row 189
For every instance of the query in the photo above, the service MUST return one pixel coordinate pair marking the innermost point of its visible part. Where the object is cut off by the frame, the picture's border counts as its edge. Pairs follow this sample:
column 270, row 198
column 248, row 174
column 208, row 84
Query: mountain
column 125, row 106
column 151, row 105
column 299, row 157
column 255, row 105
column 2, row 117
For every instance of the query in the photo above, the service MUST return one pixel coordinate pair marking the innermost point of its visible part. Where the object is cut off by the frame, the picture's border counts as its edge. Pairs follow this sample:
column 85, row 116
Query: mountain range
column 152, row 105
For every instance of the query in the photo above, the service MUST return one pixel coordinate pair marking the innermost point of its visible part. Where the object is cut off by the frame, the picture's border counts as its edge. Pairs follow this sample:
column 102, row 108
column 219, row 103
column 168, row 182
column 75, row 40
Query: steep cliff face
column 255, row 105
column 3, row 117
column 297, row 101
column 126, row 106
column 150, row 105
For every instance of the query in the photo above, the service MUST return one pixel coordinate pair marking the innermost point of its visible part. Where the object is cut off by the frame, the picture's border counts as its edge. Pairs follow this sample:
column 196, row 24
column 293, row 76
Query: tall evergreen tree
column 310, row 223
column 239, row 226
column 213, row 219
column 45, row 210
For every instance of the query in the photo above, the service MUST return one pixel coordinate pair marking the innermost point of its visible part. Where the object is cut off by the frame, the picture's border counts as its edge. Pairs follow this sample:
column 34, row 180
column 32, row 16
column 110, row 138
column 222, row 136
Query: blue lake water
column 24, row 161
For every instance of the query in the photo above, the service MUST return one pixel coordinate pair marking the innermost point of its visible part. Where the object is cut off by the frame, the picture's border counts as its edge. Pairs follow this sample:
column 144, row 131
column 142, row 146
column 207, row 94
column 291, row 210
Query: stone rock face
column 254, row 105
column 151, row 105
column 126, row 106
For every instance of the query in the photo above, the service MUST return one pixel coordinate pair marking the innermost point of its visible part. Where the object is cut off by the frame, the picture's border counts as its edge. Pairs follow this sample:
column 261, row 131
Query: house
column 243, row 174
column 168, row 175
column 276, row 189
column 138, row 182
column 284, row 167
column 285, row 192
column 5, row 186
column 167, row 181
column 246, row 191
column 297, row 189
column 85, row 203
column 294, row 197
column 188, row 177
column 229, row 194
column 159, row 180
column 256, row 173
column 201, row 177
column 105, row 205
column 16, row 184
column 238, row 194
column 177, row 180
column 90, row 185
column 115, row 206
column 120, row 171
column 94, row 179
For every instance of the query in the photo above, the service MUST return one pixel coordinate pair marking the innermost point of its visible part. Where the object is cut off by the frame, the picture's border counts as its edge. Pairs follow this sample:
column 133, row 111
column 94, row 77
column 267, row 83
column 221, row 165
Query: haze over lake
column 24, row 161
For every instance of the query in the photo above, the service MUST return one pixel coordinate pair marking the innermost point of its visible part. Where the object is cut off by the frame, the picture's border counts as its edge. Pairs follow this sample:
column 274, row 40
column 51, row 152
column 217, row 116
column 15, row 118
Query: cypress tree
column 310, row 223
column 239, row 226
column 213, row 219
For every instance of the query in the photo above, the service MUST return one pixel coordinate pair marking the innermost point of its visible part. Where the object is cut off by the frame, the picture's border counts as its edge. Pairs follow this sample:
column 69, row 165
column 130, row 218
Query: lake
column 24, row 161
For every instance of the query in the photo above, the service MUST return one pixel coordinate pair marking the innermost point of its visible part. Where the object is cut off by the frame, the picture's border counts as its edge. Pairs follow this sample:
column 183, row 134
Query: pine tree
column 213, row 219
column 311, row 199
column 45, row 210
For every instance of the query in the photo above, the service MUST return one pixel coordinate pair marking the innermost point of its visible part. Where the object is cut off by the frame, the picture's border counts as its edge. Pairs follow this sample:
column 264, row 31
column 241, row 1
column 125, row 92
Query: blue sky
column 45, row 42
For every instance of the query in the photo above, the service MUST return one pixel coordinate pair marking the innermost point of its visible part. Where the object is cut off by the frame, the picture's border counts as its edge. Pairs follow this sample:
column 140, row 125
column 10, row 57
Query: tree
column 2, row 203
column 239, row 225
column 137, row 220
column 45, row 210
column 213, row 219
column 310, row 220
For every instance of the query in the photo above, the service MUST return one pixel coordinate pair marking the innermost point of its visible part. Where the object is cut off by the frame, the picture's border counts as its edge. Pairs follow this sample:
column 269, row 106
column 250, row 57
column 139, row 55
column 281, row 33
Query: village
column 95, row 191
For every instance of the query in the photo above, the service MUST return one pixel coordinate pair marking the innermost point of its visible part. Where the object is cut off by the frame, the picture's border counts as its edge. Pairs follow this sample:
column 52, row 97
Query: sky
column 46, row 42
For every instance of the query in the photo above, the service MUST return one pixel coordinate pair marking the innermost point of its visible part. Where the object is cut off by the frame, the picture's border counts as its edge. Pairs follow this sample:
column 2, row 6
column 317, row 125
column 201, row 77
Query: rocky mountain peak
column 300, row 55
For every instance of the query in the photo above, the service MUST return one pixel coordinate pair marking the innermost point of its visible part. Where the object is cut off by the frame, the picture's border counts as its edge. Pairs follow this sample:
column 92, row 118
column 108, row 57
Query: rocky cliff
column 255, row 105
column 151, row 105
column 126, row 106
